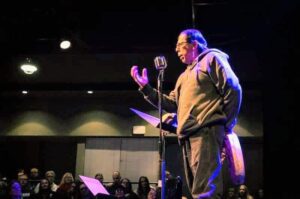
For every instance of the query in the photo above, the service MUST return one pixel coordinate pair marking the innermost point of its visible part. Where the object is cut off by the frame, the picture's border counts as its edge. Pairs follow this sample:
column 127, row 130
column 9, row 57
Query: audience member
column 50, row 176
column 25, row 187
column 111, row 188
column 34, row 178
column 129, row 193
column 259, row 194
column 45, row 191
column 66, row 188
column 243, row 193
column 15, row 191
column 120, row 192
column 99, row 176
column 230, row 194
column 84, row 192
column 3, row 187
column 143, row 187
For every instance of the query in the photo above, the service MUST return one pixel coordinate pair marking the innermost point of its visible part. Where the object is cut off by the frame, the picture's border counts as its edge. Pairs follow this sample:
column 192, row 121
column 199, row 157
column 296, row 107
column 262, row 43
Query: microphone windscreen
column 160, row 62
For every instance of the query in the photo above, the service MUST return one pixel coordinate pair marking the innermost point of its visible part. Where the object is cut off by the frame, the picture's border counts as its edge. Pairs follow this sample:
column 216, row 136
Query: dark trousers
column 202, row 163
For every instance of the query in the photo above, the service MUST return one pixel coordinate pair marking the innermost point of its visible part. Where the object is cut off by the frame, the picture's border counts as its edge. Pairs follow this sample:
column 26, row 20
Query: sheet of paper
column 94, row 185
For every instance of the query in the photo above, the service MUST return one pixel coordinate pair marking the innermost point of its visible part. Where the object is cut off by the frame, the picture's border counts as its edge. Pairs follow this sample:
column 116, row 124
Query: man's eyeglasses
column 181, row 44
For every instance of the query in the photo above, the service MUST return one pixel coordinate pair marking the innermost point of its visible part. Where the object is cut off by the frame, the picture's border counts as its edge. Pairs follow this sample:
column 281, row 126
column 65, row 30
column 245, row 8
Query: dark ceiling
column 107, row 38
column 35, row 26
column 94, row 26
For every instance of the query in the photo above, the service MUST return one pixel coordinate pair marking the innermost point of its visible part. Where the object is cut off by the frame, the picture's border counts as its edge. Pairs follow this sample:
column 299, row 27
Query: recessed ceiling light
column 24, row 92
column 65, row 44
column 90, row 92
column 28, row 67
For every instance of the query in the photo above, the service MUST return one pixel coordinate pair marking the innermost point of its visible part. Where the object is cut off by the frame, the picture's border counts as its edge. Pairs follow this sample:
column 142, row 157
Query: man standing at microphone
column 206, row 98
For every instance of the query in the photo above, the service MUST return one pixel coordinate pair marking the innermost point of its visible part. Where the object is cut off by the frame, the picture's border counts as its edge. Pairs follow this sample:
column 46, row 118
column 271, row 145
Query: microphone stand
column 161, row 134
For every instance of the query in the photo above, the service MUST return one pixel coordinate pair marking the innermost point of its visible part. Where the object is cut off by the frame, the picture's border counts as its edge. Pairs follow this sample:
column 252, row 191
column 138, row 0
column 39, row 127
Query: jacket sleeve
column 228, row 87
column 168, row 101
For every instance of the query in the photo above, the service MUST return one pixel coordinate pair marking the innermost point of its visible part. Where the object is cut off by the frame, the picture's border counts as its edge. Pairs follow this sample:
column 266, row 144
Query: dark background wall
column 277, row 47
column 43, row 153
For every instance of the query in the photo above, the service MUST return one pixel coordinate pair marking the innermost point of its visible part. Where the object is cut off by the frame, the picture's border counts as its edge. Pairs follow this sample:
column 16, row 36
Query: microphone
column 160, row 63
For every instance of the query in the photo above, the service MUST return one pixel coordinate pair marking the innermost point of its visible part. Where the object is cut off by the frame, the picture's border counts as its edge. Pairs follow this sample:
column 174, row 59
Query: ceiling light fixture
column 65, row 44
column 28, row 67
column 90, row 92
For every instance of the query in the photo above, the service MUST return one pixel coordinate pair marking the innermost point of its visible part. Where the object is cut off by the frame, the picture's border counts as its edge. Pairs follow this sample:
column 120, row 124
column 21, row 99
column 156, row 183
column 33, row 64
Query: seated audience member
column 243, row 193
column 45, row 191
column 259, row 194
column 230, row 194
column 143, row 187
column 25, row 187
column 50, row 176
column 3, row 187
column 66, row 188
column 116, row 177
column 84, row 192
column 15, row 190
column 99, row 176
column 119, row 192
column 34, row 178
column 129, row 194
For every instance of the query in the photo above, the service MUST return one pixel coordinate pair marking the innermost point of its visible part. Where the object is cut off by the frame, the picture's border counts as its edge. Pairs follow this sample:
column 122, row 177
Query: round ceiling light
column 65, row 44
column 28, row 68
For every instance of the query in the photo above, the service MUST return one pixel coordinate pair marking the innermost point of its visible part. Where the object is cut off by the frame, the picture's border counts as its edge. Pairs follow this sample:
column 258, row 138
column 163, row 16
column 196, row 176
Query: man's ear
column 198, row 45
column 195, row 44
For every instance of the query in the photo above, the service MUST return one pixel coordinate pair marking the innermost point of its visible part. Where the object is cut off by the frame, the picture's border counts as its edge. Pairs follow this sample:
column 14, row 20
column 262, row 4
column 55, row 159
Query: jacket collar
column 198, row 58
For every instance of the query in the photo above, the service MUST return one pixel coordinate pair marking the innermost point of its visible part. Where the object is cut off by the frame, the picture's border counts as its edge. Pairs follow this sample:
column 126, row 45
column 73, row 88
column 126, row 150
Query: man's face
column 116, row 177
column 34, row 173
column 23, row 180
column 50, row 177
column 231, row 192
column 185, row 51
column 242, row 190
column 44, row 184
column 100, row 178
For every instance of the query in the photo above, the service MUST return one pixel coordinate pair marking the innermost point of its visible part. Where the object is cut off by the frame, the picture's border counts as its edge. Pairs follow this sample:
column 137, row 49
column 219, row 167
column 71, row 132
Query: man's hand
column 140, row 80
